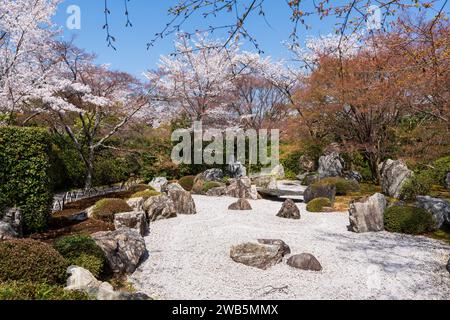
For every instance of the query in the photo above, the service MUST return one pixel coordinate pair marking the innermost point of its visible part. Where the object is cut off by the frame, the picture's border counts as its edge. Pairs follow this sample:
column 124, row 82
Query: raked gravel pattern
column 189, row 258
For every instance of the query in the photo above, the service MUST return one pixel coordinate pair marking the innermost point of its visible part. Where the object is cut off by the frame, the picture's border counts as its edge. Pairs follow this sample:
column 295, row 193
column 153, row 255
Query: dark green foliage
column 356, row 161
column 419, row 184
column 15, row 290
column 318, row 204
column 291, row 164
column 343, row 186
column 187, row 182
column 407, row 219
column 30, row 260
column 25, row 174
column 82, row 251
column 110, row 169
column 105, row 209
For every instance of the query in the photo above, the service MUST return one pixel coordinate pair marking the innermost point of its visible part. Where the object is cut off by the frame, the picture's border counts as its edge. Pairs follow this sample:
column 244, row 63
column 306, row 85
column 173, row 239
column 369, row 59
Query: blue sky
column 150, row 16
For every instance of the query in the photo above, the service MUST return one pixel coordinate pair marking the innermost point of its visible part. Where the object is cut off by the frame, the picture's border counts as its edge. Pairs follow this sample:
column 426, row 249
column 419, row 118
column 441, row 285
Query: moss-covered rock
column 407, row 219
column 319, row 205
column 343, row 186
column 145, row 194
column 187, row 182
column 105, row 209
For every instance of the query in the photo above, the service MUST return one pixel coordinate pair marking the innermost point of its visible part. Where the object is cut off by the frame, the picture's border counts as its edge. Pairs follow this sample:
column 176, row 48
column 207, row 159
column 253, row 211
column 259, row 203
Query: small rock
column 367, row 214
column 241, row 204
column 306, row 164
column 278, row 172
column 265, row 182
column 159, row 207
column 241, row 188
column 289, row 210
column 439, row 208
column 315, row 191
column 132, row 220
column 158, row 183
column 13, row 217
column 213, row 175
column 123, row 248
column 217, row 192
column 183, row 201
column 260, row 256
column 305, row 261
column 353, row 175
column 78, row 217
column 7, row 232
column 172, row 186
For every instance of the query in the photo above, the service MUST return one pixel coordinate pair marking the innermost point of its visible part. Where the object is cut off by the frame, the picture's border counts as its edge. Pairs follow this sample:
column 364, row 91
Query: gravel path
column 189, row 258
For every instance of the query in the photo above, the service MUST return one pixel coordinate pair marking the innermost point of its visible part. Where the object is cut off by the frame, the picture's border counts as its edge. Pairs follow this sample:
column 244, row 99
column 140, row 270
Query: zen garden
column 224, row 150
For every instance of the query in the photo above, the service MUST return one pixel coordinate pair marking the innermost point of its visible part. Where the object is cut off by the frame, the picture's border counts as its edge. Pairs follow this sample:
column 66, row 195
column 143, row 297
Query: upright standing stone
column 367, row 214
column 289, row 210
column 394, row 174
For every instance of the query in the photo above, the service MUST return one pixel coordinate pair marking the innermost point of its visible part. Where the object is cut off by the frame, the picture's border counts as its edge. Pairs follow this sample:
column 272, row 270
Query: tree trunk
column 89, row 169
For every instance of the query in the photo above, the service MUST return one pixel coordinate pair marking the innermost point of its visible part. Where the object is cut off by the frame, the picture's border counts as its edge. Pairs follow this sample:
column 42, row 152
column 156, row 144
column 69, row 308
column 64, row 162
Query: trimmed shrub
column 187, row 182
column 30, row 260
column 417, row 185
column 318, row 204
column 105, row 209
column 145, row 194
column 208, row 185
column 407, row 219
column 14, row 290
column 343, row 186
column 25, row 174
column 82, row 251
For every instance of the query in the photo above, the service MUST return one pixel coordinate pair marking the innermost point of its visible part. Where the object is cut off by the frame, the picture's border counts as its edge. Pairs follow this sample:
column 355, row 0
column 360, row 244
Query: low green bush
column 15, row 290
column 82, row 251
column 105, row 209
column 291, row 163
column 343, row 186
column 187, row 182
column 145, row 194
column 407, row 219
column 418, row 185
column 208, row 185
column 30, row 260
column 318, row 205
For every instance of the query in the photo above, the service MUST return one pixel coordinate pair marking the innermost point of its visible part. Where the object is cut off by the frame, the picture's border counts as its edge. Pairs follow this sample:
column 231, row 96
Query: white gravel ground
column 189, row 258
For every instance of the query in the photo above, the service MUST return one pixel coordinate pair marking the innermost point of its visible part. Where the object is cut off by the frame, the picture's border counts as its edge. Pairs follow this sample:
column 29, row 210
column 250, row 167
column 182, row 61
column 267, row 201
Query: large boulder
column 236, row 170
column 213, row 175
column 261, row 256
column 315, row 191
column 331, row 165
column 158, row 183
column 367, row 214
column 394, row 174
column 7, row 232
column 305, row 261
column 124, row 248
column 242, row 188
column 266, row 182
column 13, row 217
column 132, row 220
column 289, row 210
column 278, row 172
column 439, row 208
column 172, row 186
column 159, row 208
column 137, row 204
column 183, row 201
column 240, row 205
column 81, row 279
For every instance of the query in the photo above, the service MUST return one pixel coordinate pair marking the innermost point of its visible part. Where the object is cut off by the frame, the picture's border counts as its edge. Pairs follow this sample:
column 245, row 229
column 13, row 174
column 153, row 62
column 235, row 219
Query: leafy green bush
column 187, row 182
column 25, row 174
column 208, row 185
column 110, row 169
column 291, row 164
column 82, row 251
column 343, row 186
column 318, row 205
column 145, row 194
column 30, row 260
column 407, row 219
column 419, row 184
column 105, row 209
column 14, row 290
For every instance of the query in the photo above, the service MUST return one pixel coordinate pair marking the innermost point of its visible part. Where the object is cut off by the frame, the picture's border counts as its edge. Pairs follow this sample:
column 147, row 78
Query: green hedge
column 407, row 219
column 25, row 174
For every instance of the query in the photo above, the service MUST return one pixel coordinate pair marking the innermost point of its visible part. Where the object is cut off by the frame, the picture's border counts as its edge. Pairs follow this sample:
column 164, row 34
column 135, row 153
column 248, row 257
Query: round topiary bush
column 82, row 251
column 343, row 186
column 208, row 185
column 15, row 290
column 318, row 205
column 145, row 194
column 187, row 182
column 407, row 219
column 105, row 209
column 30, row 260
